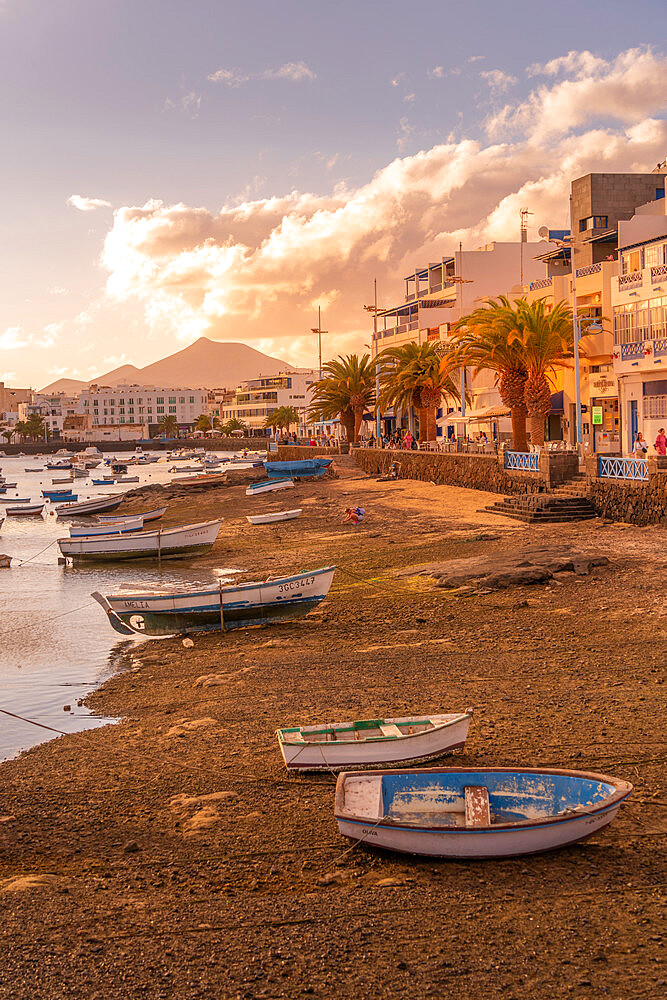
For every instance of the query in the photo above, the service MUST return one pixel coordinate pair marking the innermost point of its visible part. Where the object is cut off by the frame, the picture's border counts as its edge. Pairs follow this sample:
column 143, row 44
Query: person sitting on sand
column 354, row 515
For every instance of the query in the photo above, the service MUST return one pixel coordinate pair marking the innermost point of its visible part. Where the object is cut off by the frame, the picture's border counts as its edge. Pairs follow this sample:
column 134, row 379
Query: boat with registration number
column 277, row 515
column 218, row 608
column 372, row 742
column 475, row 812
column 268, row 486
column 84, row 507
column 166, row 543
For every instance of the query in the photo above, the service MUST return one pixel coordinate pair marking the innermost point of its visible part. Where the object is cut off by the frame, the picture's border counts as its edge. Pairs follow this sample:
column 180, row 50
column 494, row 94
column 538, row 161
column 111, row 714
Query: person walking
column 661, row 442
column 640, row 446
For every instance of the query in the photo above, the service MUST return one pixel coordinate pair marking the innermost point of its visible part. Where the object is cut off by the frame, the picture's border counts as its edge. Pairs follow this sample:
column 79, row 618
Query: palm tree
column 486, row 340
column 21, row 428
column 346, row 390
column 546, row 340
column 8, row 434
column 203, row 423
column 35, row 426
column 233, row 424
column 168, row 425
column 413, row 375
column 283, row 416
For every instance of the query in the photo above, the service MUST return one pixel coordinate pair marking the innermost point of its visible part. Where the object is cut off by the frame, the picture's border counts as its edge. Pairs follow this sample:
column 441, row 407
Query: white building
column 256, row 399
column 53, row 409
column 142, row 405
column 639, row 301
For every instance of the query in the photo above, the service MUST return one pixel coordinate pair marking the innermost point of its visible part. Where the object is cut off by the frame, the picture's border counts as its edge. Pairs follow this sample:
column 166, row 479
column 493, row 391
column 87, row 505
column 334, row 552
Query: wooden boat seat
column 477, row 811
column 390, row 729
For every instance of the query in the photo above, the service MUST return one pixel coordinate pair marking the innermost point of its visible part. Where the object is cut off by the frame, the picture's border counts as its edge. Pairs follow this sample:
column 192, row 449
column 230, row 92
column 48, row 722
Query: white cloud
column 409, row 98
column 13, row 338
column 398, row 79
column 497, row 80
column 437, row 72
column 296, row 72
column 87, row 204
column 474, row 59
column 627, row 89
column 189, row 102
column 575, row 63
column 58, row 290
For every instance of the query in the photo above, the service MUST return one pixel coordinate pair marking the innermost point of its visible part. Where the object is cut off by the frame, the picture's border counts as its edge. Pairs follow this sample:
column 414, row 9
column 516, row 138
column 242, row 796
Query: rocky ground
column 171, row 856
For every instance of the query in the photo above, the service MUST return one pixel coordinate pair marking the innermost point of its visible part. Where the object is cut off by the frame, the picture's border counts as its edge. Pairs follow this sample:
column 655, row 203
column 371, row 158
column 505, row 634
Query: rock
column 21, row 883
column 67, row 708
column 332, row 878
column 131, row 847
column 182, row 801
column 201, row 820
column 211, row 680
column 389, row 883
column 188, row 643
column 185, row 727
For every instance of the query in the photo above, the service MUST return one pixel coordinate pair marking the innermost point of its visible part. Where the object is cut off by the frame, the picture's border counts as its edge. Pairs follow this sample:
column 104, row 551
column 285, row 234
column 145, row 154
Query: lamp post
column 374, row 310
column 319, row 331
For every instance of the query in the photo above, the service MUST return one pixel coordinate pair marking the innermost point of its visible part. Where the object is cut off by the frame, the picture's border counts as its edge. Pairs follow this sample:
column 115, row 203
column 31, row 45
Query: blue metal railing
column 623, row 468
column 522, row 461
column 633, row 350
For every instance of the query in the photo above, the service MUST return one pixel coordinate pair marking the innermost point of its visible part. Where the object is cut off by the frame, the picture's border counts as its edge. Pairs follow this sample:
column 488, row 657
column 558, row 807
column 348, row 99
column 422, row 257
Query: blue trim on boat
column 216, row 592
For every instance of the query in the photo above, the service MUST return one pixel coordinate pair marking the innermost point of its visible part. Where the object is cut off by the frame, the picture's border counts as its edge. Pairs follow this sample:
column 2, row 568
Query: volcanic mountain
column 206, row 364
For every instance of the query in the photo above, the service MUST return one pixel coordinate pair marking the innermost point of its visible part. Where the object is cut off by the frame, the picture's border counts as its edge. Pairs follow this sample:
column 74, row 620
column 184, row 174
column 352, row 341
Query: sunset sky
column 178, row 168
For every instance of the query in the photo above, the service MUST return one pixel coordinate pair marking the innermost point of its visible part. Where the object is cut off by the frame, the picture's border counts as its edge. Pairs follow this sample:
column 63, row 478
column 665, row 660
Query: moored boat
column 97, row 506
column 308, row 468
column 475, row 813
column 217, row 608
column 151, row 515
column 25, row 510
column 277, row 515
column 166, row 543
column 268, row 486
column 109, row 528
column 372, row 742
column 59, row 495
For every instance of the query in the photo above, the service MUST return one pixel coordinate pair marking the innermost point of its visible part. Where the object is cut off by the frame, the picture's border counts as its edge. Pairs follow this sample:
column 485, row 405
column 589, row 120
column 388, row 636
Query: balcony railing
column 658, row 273
column 583, row 272
column 629, row 280
column 436, row 288
column 541, row 283
column 660, row 348
column 623, row 468
column 522, row 461
column 630, row 352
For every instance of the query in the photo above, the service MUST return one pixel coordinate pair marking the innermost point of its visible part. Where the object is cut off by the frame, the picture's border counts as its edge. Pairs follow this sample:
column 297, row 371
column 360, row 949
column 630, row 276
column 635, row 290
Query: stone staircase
column 567, row 502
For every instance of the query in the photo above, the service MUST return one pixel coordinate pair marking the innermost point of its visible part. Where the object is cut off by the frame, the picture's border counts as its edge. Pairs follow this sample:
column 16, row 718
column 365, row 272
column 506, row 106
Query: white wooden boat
column 25, row 510
column 268, row 486
column 34, row 468
column 217, row 608
column 475, row 813
column 108, row 528
column 278, row 515
column 186, row 468
column 372, row 742
column 167, row 543
column 97, row 506
column 151, row 515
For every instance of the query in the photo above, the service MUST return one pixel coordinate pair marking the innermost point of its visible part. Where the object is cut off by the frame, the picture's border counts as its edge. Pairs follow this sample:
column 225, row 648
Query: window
column 160, row 409
column 172, row 409
column 631, row 261
column 172, row 399
column 593, row 222
column 182, row 399
column 192, row 399
column 160, row 399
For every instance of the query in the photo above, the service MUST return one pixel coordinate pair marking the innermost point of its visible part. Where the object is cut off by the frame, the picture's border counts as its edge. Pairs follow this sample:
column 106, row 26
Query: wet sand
column 172, row 856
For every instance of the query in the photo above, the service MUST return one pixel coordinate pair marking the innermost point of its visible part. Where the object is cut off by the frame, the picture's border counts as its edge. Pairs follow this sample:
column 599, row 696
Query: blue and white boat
column 217, row 608
column 59, row 495
column 475, row 813
column 268, row 486
column 107, row 528
column 309, row 468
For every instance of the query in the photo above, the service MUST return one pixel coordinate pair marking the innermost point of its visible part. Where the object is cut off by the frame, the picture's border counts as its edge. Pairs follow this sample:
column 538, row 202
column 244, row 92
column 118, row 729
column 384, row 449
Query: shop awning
column 491, row 413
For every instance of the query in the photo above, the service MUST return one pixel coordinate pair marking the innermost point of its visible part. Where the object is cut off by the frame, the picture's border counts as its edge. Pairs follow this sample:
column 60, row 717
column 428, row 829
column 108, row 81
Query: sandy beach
column 172, row 856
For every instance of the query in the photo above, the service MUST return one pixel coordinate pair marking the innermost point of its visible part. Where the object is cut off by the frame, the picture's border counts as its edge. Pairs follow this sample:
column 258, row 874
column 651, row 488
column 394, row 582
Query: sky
column 180, row 168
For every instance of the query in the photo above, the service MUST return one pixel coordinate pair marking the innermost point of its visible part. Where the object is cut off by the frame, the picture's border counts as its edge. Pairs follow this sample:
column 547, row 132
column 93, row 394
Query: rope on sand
column 32, row 722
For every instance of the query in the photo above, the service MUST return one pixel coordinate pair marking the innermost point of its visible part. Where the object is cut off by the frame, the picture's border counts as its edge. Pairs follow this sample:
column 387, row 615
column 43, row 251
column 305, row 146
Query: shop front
column 602, row 429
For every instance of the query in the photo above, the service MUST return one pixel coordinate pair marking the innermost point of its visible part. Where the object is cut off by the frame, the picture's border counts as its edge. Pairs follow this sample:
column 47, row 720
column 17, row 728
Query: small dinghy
column 186, row 540
column 278, row 515
column 96, row 506
column 108, row 528
column 469, row 813
column 268, row 486
column 151, row 515
column 25, row 510
column 58, row 495
column 308, row 468
column 34, row 468
column 372, row 742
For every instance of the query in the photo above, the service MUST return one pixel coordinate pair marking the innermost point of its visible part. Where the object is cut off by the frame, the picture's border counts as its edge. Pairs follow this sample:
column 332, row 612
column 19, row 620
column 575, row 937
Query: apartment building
column 10, row 399
column 639, row 301
column 256, row 399
column 143, row 406
column 53, row 409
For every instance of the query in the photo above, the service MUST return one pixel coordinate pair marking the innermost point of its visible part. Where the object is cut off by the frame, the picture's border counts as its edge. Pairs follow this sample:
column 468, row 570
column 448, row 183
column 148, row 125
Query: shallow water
column 55, row 641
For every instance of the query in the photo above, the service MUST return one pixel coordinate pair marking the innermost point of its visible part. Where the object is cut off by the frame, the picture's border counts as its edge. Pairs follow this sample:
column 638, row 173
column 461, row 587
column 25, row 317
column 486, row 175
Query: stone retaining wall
column 640, row 503
column 298, row 452
column 113, row 447
column 476, row 472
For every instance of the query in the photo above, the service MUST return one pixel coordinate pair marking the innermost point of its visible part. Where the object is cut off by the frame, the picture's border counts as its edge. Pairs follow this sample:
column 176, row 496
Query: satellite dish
column 543, row 232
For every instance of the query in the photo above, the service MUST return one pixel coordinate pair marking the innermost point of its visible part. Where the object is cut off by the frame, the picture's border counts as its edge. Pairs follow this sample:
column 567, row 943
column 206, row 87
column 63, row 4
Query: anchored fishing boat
column 268, row 486
column 308, row 468
column 25, row 510
column 278, row 515
column 100, row 504
column 59, row 495
column 372, row 742
column 108, row 528
column 217, row 608
column 475, row 813
column 151, row 515
column 167, row 543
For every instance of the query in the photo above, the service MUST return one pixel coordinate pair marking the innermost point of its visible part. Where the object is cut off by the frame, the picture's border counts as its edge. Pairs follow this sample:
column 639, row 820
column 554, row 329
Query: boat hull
column 428, row 745
column 168, row 544
column 282, row 515
column 243, row 606
column 270, row 486
column 89, row 507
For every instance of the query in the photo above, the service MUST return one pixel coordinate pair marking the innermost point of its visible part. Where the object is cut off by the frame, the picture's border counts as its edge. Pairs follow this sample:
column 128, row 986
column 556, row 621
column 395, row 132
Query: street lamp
column 374, row 310
column 319, row 331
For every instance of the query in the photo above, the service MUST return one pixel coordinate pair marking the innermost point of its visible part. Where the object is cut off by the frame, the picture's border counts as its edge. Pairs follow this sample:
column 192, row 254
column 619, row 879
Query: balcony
column 631, row 280
column 658, row 274
column 540, row 283
column 631, row 351
column 583, row 272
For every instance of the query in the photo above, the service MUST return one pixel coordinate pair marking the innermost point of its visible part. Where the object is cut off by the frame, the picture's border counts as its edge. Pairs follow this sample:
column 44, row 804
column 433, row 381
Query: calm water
column 46, row 661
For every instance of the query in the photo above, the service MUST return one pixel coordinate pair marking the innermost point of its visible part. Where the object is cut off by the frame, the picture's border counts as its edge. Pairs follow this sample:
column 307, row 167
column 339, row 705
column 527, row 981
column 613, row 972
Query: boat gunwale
column 149, row 534
column 623, row 789
column 371, row 739
column 161, row 595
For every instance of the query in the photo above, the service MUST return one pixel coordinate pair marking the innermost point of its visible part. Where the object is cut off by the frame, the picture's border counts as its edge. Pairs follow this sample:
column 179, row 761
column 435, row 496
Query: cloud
column 497, row 80
column 575, row 63
column 190, row 103
column 13, row 338
column 255, row 269
column 87, row 204
column 626, row 89
column 296, row 72
column 398, row 79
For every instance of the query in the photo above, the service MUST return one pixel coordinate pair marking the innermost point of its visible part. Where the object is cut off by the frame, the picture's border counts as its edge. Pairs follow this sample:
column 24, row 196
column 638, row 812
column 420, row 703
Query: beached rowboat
column 109, row 528
column 278, row 515
column 268, row 486
column 217, row 608
column 471, row 813
column 372, row 742
column 167, row 543
column 308, row 468
column 97, row 506
column 151, row 515
column 25, row 510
